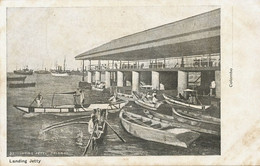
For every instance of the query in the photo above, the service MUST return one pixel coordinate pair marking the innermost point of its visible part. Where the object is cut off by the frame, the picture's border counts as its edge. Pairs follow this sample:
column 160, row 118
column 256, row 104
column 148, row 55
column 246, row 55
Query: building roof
column 198, row 34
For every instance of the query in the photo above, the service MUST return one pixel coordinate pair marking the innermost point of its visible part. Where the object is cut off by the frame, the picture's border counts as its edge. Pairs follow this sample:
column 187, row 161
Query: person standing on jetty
column 212, row 88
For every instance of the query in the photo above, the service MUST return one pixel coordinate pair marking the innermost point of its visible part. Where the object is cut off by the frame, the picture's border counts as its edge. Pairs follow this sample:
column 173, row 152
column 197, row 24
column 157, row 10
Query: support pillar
column 107, row 79
column 98, row 76
column 155, row 80
column 182, row 81
column 217, row 81
column 83, row 71
column 135, row 81
column 89, row 77
column 120, row 79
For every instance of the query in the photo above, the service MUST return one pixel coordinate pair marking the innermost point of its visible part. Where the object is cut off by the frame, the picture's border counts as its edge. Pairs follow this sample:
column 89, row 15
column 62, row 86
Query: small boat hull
column 185, row 123
column 170, row 136
column 172, row 101
column 125, row 97
column 70, row 110
column 198, row 115
column 16, row 78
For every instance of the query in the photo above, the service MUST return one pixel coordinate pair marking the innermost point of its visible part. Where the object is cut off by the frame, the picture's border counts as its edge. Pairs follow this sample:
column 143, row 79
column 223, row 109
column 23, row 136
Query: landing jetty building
column 178, row 55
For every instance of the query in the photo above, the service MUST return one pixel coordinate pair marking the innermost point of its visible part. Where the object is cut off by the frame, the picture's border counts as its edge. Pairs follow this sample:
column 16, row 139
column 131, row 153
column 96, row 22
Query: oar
column 115, row 132
column 66, row 121
column 61, row 125
column 90, row 139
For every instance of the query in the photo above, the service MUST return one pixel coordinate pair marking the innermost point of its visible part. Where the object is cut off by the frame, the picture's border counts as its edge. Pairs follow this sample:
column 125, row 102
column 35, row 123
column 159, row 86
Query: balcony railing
column 187, row 62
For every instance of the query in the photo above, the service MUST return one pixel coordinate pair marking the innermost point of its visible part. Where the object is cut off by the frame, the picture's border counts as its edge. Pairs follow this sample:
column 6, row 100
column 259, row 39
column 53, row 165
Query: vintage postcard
column 129, row 83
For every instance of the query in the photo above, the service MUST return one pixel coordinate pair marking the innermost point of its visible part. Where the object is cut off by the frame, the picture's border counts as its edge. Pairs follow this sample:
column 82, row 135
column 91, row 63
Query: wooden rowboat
column 185, row 123
column 151, row 130
column 192, row 119
column 179, row 102
column 145, row 102
column 101, row 129
column 199, row 115
column 70, row 110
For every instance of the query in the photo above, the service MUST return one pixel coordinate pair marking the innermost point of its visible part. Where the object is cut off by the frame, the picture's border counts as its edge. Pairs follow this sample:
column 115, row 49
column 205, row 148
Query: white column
column 97, row 76
column 89, row 77
column 107, row 80
column 155, row 80
column 182, row 81
column 217, row 81
column 135, row 81
column 120, row 79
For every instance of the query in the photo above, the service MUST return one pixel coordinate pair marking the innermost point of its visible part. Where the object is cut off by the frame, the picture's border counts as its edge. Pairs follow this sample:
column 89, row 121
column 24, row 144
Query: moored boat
column 198, row 115
column 16, row 78
column 177, row 122
column 180, row 102
column 125, row 97
column 146, row 103
column 151, row 130
column 100, row 131
column 192, row 119
column 70, row 110
column 21, row 85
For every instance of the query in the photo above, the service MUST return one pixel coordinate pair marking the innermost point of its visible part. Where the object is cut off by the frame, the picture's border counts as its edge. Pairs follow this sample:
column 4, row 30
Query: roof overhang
column 192, row 36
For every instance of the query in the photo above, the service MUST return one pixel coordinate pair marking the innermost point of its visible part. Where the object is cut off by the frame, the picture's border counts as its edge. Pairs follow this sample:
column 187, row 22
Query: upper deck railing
column 192, row 62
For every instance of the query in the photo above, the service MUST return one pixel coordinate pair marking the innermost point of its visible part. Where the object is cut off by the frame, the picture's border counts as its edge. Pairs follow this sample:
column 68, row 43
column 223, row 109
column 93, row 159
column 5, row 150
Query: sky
column 43, row 37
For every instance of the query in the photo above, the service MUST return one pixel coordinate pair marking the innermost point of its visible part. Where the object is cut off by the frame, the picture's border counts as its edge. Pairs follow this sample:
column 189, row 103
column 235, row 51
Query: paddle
column 61, row 125
column 66, row 121
column 115, row 132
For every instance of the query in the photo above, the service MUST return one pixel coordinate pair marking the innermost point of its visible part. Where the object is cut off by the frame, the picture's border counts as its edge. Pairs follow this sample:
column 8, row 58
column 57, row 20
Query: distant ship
column 59, row 72
column 42, row 72
column 23, row 71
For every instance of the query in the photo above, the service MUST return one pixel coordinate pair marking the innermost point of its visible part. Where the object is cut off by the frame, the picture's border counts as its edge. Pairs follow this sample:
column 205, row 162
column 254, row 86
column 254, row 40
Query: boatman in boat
column 155, row 100
column 75, row 95
column 39, row 99
column 82, row 97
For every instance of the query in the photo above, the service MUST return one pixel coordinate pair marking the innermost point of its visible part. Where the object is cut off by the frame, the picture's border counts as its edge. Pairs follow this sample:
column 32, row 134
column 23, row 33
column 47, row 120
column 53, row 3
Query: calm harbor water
column 25, row 136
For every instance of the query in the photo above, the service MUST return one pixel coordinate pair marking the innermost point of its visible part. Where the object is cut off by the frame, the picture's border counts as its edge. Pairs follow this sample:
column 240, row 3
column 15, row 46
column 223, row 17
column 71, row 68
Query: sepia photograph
column 129, row 83
column 77, row 88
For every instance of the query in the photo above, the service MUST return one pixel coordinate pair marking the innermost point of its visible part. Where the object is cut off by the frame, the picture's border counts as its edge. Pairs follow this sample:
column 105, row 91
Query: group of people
column 150, row 97
column 77, row 94
column 191, row 98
